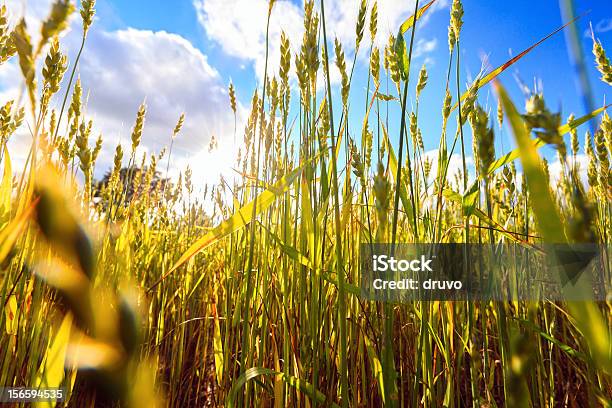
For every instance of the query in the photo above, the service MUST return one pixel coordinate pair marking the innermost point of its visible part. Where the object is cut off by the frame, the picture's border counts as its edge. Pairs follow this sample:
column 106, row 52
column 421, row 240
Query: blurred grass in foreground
column 134, row 296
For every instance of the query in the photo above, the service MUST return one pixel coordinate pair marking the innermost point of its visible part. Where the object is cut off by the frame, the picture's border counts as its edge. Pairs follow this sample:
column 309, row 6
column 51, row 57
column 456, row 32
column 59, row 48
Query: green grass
column 146, row 299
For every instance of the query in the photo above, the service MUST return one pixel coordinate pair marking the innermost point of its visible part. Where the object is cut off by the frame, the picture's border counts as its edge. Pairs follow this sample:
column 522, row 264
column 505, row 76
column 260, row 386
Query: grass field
column 142, row 291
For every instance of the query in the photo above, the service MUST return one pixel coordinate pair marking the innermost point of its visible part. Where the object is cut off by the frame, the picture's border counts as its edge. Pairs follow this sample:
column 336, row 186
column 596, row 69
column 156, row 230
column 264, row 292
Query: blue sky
column 140, row 44
column 497, row 30
column 491, row 28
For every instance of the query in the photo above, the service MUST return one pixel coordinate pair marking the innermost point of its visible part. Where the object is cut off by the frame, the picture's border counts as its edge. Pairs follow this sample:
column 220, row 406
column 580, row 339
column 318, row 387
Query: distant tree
column 129, row 179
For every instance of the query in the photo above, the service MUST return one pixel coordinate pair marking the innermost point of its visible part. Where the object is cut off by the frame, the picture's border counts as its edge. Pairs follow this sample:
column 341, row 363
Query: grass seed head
column 375, row 65
column 9, row 124
column 356, row 162
column 422, row 82
column 341, row 64
column 545, row 123
column 232, row 95
column 388, row 52
column 413, row 126
column 324, row 125
column 602, row 156
column 456, row 18
column 602, row 62
column 17, row 120
column 484, row 140
column 53, row 119
column 382, row 198
column 575, row 144
column 374, row 21
column 96, row 150
column 56, row 22
column 446, row 105
column 212, row 145
column 369, row 143
column 84, row 153
column 179, row 125
column 285, row 62
column 360, row 26
column 56, row 64
column 452, row 38
column 401, row 57
column 302, row 75
column 75, row 104
column 391, row 60
column 7, row 45
column 274, row 95
column 23, row 44
column 468, row 103
column 420, row 140
column 268, row 139
column 6, row 118
column 427, row 167
column 500, row 114
column 309, row 52
column 138, row 126
column 118, row 158
column 88, row 12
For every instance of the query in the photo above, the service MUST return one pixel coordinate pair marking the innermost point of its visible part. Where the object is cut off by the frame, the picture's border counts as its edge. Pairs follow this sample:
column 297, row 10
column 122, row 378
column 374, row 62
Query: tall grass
column 146, row 298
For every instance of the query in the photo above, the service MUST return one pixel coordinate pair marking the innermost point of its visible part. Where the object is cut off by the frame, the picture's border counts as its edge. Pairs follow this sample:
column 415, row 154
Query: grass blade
column 393, row 165
column 241, row 218
column 543, row 204
column 493, row 74
column 377, row 370
column 300, row 385
column 588, row 318
column 537, row 142
column 12, row 232
column 51, row 372
column 409, row 22
column 6, row 189
column 300, row 258
column 477, row 212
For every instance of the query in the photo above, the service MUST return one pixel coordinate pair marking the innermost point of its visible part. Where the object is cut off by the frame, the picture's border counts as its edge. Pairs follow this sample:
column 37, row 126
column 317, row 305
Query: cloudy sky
column 180, row 55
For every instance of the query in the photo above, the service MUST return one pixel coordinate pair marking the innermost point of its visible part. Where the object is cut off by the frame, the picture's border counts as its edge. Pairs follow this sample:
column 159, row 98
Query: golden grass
column 148, row 302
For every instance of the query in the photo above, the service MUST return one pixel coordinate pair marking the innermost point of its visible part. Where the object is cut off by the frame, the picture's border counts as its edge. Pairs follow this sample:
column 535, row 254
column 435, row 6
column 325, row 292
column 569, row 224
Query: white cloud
column 455, row 165
column 239, row 26
column 34, row 11
column 123, row 68
column 342, row 18
column 423, row 47
column 120, row 69
column 603, row 26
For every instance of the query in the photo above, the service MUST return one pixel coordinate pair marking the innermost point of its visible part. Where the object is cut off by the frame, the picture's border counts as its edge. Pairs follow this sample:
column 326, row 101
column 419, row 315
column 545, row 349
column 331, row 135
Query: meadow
column 141, row 291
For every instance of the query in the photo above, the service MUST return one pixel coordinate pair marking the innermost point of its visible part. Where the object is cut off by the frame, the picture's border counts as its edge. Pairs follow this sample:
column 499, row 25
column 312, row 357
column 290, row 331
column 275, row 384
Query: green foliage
column 149, row 292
